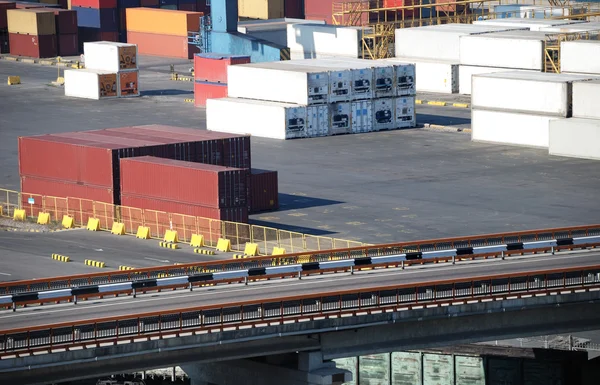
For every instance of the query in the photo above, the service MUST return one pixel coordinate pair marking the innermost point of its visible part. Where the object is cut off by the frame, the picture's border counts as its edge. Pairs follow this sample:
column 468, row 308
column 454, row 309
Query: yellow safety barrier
column 43, row 218
column 197, row 240
column 93, row 224
column 224, row 245
column 67, row 222
column 143, row 232
column 61, row 258
column 99, row 264
column 278, row 251
column 171, row 236
column 304, row 259
column 251, row 249
column 14, row 80
column 239, row 256
column 168, row 245
column 118, row 228
column 163, row 275
column 19, row 215
column 1, row 212
column 205, row 252
column 126, row 268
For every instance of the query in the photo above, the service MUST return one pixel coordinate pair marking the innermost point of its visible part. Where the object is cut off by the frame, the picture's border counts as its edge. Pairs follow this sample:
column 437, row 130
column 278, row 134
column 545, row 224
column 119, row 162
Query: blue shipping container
column 105, row 19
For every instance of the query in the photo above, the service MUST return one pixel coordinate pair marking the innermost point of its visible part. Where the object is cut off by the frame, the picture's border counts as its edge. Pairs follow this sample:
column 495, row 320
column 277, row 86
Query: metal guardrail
column 254, row 313
column 55, row 283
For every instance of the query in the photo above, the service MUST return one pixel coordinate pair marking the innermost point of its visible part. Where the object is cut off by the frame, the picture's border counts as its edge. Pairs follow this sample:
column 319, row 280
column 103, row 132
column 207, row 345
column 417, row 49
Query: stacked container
column 122, row 6
column 264, row 192
column 67, row 37
column 32, row 32
column 315, row 41
column 210, row 75
column 184, row 187
column 111, row 71
column 518, row 107
column 162, row 32
column 4, row 7
column 97, row 19
column 320, row 97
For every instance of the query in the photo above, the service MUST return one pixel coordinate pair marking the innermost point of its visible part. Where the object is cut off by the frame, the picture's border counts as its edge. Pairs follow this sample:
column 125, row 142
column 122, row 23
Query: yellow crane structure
column 380, row 18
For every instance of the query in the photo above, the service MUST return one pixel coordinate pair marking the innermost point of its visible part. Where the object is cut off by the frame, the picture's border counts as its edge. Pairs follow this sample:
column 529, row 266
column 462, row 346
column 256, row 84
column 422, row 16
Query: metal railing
column 52, row 283
column 254, row 313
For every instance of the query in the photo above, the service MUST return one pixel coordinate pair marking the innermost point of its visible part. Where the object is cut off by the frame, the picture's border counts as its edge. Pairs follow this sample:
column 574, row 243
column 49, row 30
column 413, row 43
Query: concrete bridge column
column 291, row 369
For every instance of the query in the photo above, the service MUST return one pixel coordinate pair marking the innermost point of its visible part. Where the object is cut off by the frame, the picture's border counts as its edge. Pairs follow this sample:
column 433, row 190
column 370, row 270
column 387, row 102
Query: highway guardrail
column 249, row 273
column 258, row 312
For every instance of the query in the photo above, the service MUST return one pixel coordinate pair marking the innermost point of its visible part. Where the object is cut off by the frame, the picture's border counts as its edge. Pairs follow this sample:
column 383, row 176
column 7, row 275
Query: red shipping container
column 63, row 189
column 235, row 214
column 162, row 45
column 4, row 6
column 29, row 5
column 66, row 21
column 150, row 3
column 318, row 10
column 184, row 182
column 68, row 45
column 293, row 9
column 41, row 46
column 211, row 67
column 97, row 4
column 207, row 90
column 264, row 191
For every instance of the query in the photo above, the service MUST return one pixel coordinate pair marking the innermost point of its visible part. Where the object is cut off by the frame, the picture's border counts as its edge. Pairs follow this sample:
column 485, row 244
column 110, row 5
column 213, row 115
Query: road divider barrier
column 67, row 222
column 93, row 224
column 61, row 258
column 171, row 236
column 248, row 271
column 239, row 256
column 278, row 251
column 251, row 249
column 14, row 80
column 43, row 218
column 197, row 240
column 126, row 268
column 168, row 245
column 93, row 263
column 118, row 228
column 224, row 245
column 143, row 232
column 19, row 215
column 205, row 252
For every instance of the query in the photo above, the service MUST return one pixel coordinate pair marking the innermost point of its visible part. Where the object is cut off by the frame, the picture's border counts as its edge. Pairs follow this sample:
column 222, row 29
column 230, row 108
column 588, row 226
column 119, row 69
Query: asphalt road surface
column 265, row 290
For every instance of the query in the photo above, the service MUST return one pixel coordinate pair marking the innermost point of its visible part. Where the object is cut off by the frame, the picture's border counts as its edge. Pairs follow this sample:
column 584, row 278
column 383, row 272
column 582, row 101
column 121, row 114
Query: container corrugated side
column 496, row 50
column 213, row 67
column 434, row 75
column 63, row 189
column 65, row 159
column 529, row 92
column 184, row 182
column 258, row 118
column 162, row 21
column 362, row 116
column 91, row 84
column 316, row 40
column 161, row 45
column 510, row 128
column 531, row 24
column 4, row 6
column 261, row 9
column 36, row 21
column 65, row 21
column 465, row 73
column 577, row 138
column 38, row 46
column 278, row 83
column 317, row 120
column 580, row 56
column 208, row 90
column 585, row 99
column 264, row 191
column 233, row 214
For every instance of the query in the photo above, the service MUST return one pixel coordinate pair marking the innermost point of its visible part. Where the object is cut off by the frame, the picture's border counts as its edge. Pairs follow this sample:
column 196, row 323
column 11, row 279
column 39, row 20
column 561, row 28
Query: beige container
column 260, row 9
column 31, row 21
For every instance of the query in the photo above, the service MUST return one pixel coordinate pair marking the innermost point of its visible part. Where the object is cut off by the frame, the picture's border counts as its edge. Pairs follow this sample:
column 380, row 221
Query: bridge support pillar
column 292, row 369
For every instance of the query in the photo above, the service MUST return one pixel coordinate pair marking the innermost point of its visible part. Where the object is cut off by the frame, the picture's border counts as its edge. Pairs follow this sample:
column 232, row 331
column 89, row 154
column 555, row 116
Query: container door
column 295, row 123
column 405, row 112
column 339, row 86
column 340, row 118
column 383, row 114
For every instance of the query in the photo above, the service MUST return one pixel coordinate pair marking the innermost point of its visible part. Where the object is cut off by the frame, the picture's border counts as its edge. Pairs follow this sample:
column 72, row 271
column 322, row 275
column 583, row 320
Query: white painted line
column 157, row 260
column 5, row 274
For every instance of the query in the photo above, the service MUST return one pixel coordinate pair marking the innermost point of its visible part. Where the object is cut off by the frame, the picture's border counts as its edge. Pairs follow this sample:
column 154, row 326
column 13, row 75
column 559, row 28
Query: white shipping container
column 383, row 114
column 405, row 79
column 278, row 82
column 91, row 84
column 571, row 28
column 515, row 49
column 259, row 118
column 383, row 80
column 434, row 75
column 438, row 41
column 531, row 24
column 580, row 56
column 340, row 115
column 273, row 30
column 316, row 40
column 573, row 137
column 586, row 100
column 318, row 120
column 110, row 56
column 510, row 128
column 528, row 92
column 465, row 74
column 362, row 116
column 405, row 112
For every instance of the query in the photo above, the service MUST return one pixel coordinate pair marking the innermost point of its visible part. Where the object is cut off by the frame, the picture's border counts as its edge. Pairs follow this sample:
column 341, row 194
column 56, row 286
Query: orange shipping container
column 128, row 83
column 162, row 21
column 162, row 45
column 36, row 21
